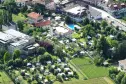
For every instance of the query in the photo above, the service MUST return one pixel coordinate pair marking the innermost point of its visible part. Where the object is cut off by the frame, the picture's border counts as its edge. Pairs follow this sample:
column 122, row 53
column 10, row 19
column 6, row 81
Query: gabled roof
column 115, row 6
column 34, row 15
column 43, row 23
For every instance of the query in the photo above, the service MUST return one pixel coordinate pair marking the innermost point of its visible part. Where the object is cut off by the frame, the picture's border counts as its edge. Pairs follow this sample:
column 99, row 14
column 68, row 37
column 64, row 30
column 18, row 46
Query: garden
column 89, row 68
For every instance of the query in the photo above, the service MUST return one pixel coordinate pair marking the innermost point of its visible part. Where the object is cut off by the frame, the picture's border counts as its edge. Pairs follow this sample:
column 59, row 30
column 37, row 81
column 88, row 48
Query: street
column 110, row 18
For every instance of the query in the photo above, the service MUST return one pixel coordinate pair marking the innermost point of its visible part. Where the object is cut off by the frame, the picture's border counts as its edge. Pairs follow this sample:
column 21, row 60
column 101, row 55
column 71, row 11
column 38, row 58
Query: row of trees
column 7, row 56
column 118, row 76
column 5, row 17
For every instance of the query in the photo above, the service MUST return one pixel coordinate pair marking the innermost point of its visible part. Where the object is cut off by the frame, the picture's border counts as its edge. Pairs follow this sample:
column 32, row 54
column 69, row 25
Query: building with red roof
column 42, row 23
column 37, row 20
column 34, row 17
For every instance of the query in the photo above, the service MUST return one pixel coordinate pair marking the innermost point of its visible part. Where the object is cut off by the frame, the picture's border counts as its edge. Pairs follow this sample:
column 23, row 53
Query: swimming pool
column 71, row 26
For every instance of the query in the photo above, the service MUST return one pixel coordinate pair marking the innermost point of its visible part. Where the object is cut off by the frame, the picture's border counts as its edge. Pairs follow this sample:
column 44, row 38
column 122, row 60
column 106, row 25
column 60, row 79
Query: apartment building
column 49, row 4
column 12, row 40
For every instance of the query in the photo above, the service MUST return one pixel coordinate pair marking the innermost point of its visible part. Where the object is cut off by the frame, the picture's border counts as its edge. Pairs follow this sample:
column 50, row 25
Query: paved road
column 115, row 23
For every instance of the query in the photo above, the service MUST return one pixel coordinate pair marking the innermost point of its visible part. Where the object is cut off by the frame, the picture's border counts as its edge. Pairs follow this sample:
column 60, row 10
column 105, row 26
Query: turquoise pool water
column 71, row 26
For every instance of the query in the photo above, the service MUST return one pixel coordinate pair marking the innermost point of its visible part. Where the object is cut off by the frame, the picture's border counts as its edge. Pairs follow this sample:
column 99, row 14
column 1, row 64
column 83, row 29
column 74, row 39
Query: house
column 21, row 3
column 34, row 17
column 117, row 10
column 122, row 64
column 28, row 2
column 50, row 4
column 37, row 20
column 43, row 23
column 93, row 2
column 38, row 1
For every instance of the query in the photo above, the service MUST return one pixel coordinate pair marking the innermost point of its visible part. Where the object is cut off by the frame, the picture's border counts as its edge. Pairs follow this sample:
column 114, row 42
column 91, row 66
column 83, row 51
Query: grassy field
column 89, row 68
column 90, row 81
column 18, row 17
column 4, row 79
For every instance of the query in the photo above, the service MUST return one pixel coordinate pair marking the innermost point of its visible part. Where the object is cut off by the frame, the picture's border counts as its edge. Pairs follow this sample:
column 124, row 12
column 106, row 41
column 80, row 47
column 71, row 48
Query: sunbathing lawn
column 89, row 68
column 76, row 35
column 18, row 17
column 90, row 81
column 4, row 79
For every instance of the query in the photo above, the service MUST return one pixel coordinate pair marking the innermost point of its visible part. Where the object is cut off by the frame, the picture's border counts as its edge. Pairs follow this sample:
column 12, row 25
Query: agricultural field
column 90, row 81
column 89, row 69
column 4, row 79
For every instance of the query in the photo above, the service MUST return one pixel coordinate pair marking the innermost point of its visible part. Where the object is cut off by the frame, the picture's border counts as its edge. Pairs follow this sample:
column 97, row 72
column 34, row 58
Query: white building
column 15, row 40
column 76, row 13
column 22, row 2
column 49, row 4
column 122, row 65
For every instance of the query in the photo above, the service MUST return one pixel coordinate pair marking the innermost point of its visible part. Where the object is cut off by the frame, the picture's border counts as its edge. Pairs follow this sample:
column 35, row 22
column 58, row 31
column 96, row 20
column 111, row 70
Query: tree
column 16, row 54
column 59, row 52
column 123, row 81
column 113, row 70
column 20, row 25
column 119, row 77
column 98, row 60
column 68, row 20
column 10, row 17
column 39, row 8
column 86, row 21
column 1, row 21
column 24, row 9
column 41, row 50
column 97, row 25
column 104, row 24
column 121, row 53
column 6, row 57
column 104, row 46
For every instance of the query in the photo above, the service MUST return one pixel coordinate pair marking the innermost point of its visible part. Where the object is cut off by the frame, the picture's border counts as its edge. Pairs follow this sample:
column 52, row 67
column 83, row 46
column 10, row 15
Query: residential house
column 37, row 20
column 38, row 1
column 34, row 17
column 117, row 10
column 23, row 2
column 49, row 4
column 122, row 64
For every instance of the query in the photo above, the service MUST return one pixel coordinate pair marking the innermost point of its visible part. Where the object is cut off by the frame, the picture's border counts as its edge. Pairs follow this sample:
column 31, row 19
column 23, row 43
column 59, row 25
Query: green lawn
column 18, row 17
column 89, row 68
column 76, row 35
column 4, row 79
column 90, row 81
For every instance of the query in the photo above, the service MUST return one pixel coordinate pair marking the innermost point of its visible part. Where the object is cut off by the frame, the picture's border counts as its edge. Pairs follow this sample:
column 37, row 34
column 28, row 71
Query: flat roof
column 17, row 43
column 76, row 10
column 16, row 33
column 5, row 37
column 61, row 30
